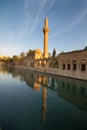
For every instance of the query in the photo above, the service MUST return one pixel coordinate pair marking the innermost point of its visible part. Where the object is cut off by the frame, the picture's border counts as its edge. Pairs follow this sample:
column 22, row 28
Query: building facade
column 71, row 64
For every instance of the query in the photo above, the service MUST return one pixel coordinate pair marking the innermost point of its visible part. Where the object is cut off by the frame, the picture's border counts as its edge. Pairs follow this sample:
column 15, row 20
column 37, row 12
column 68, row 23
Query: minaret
column 45, row 31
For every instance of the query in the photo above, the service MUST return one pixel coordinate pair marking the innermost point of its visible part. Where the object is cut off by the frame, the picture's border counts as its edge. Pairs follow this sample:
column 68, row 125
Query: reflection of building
column 74, row 91
column 37, row 86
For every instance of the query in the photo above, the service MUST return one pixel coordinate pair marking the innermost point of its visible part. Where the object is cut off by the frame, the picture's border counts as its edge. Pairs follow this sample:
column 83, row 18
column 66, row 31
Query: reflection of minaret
column 45, row 31
column 45, row 81
column 44, row 108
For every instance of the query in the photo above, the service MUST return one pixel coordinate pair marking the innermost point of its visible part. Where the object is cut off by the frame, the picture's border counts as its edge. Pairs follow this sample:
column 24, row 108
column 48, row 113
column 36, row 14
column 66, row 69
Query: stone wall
column 71, row 64
column 66, row 73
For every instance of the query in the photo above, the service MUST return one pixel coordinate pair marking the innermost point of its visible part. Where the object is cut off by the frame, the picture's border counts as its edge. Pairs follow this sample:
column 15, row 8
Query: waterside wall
column 58, row 72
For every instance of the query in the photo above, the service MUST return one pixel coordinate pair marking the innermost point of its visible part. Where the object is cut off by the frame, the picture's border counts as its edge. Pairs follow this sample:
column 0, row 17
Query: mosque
column 71, row 64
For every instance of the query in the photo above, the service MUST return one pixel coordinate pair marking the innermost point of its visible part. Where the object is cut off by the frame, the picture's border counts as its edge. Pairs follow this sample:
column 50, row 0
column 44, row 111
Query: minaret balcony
column 46, row 29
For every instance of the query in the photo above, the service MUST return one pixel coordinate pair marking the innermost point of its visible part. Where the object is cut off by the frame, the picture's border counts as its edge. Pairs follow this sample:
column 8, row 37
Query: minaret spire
column 45, row 31
column 46, row 22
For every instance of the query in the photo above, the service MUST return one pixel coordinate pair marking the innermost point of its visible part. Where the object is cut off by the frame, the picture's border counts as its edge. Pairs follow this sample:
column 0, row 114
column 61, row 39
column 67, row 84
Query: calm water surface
column 35, row 101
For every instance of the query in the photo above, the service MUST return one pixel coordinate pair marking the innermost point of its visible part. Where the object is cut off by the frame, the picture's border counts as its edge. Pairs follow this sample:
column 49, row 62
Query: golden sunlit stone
column 45, row 31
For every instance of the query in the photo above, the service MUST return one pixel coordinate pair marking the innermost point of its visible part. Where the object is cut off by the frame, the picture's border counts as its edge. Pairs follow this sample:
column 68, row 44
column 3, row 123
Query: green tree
column 85, row 48
column 54, row 53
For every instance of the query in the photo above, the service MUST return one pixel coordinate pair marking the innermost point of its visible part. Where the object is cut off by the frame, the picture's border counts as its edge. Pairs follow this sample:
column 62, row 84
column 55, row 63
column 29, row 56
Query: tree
column 22, row 55
column 15, row 58
column 54, row 53
column 85, row 48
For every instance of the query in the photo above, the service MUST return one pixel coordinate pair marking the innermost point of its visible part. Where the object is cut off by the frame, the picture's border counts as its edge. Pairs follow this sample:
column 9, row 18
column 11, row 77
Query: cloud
column 9, row 49
column 77, row 20
column 35, row 10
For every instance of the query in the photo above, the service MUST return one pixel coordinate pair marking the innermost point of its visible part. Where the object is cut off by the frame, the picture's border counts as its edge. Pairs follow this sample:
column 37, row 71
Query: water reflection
column 44, row 106
column 74, row 91
column 71, row 90
column 53, row 113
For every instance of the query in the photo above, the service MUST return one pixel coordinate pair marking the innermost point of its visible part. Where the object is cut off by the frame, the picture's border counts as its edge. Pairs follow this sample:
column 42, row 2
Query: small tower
column 45, row 31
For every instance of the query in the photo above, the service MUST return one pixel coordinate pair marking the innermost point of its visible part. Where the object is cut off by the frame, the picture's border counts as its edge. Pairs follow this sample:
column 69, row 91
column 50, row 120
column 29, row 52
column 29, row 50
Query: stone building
column 32, row 56
column 29, row 60
column 71, row 64
column 75, row 60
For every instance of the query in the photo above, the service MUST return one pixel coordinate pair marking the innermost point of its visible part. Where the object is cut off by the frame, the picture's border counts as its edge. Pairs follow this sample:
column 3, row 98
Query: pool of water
column 35, row 101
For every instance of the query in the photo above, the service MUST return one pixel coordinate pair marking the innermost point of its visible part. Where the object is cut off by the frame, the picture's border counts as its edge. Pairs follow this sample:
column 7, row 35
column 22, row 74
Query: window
column 83, row 67
column 63, row 66
column 74, row 66
column 68, row 66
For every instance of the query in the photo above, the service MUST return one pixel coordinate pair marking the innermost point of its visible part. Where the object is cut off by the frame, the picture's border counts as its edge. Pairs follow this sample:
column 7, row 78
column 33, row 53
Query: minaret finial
column 46, row 22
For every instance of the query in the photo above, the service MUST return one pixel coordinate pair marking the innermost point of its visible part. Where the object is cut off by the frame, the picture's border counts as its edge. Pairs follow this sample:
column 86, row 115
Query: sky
column 22, row 22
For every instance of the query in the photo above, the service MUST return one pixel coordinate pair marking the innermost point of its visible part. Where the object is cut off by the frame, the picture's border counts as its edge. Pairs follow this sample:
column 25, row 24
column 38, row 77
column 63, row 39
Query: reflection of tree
column 54, row 84
column 6, row 69
column 3, row 70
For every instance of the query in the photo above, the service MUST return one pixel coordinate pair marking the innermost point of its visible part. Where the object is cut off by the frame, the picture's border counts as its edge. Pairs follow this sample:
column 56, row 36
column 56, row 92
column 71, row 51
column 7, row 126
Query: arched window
column 74, row 64
column 63, row 66
column 68, row 66
column 83, row 65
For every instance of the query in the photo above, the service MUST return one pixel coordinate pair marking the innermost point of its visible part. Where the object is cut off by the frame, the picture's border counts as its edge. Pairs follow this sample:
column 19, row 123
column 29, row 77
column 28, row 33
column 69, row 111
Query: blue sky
column 22, row 21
